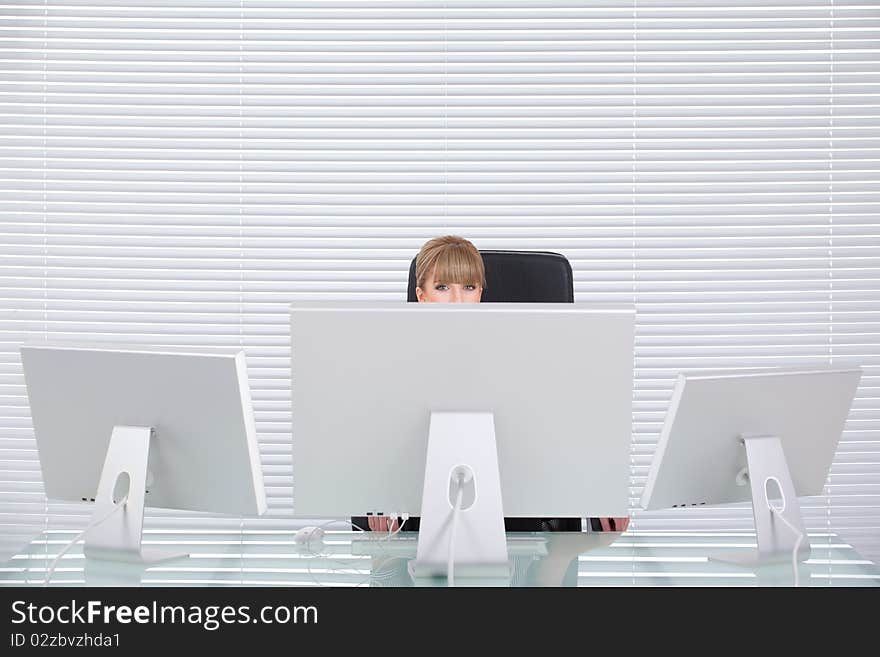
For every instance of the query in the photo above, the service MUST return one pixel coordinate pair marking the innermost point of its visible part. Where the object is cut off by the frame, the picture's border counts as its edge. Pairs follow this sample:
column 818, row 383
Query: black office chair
column 520, row 277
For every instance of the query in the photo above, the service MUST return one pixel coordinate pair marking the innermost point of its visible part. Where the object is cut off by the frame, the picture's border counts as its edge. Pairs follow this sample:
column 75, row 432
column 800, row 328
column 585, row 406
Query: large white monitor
column 767, row 436
column 546, row 387
column 170, row 429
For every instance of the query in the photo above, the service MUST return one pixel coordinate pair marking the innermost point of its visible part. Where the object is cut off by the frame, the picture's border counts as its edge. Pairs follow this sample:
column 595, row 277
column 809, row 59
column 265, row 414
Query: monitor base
column 117, row 534
column 768, row 475
column 463, row 571
column 752, row 558
column 461, row 444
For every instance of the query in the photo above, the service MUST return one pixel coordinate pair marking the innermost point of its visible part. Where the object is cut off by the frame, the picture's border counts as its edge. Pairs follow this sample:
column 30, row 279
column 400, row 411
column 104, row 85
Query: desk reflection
column 270, row 557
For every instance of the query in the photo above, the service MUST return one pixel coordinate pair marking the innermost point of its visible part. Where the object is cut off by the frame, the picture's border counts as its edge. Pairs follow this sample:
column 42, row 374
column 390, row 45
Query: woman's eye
column 441, row 287
column 470, row 288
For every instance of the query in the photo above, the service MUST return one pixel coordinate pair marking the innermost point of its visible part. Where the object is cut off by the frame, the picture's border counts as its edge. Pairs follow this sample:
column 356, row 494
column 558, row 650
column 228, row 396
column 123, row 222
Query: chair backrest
column 519, row 276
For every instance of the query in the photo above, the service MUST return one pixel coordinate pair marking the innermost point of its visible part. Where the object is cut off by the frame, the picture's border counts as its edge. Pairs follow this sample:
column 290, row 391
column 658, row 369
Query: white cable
column 89, row 528
column 404, row 517
column 341, row 566
column 797, row 532
column 312, row 553
column 345, row 520
column 450, row 566
column 797, row 545
column 376, row 575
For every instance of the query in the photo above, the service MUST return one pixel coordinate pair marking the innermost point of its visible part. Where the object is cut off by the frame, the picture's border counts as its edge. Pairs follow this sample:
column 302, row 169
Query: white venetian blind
column 755, row 201
column 176, row 173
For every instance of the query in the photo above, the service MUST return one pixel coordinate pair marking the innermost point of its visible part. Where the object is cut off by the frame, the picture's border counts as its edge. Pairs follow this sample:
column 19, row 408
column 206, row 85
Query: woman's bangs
column 457, row 266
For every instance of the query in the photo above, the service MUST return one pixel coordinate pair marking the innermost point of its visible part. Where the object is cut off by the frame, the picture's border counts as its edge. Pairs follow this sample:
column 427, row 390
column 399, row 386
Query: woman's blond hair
column 452, row 259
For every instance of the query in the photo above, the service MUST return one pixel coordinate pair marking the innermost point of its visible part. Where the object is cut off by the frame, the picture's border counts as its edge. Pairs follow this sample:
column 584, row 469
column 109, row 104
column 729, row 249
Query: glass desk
column 345, row 559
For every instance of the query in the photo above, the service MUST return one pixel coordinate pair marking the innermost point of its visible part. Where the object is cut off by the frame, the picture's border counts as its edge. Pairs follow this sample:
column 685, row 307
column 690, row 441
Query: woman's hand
column 614, row 524
column 382, row 523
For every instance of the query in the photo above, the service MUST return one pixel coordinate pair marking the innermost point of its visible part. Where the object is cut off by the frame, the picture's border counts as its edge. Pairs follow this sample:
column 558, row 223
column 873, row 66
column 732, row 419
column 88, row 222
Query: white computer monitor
column 760, row 436
column 171, row 429
column 545, row 387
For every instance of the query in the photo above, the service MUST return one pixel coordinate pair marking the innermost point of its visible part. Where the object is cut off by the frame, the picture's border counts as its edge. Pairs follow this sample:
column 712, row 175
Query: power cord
column 377, row 576
column 342, row 567
column 456, row 510
column 323, row 553
column 778, row 513
column 404, row 517
column 79, row 536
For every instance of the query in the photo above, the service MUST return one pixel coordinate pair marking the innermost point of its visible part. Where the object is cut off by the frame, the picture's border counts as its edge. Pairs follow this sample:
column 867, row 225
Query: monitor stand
column 768, row 475
column 118, row 538
column 462, row 442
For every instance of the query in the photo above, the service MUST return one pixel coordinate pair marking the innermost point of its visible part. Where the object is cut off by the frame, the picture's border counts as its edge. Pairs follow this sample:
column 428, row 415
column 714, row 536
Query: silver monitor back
column 204, row 456
column 366, row 377
column 700, row 454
